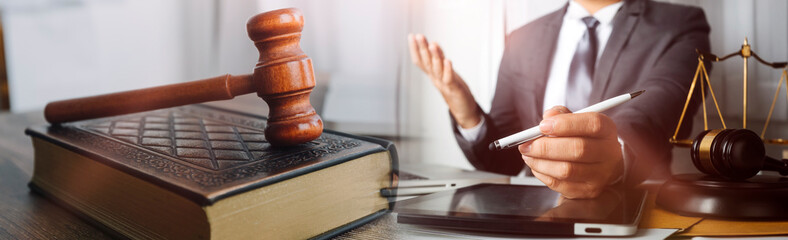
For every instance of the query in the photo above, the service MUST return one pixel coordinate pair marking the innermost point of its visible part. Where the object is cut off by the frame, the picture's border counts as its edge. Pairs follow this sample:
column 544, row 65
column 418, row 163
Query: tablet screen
column 530, row 203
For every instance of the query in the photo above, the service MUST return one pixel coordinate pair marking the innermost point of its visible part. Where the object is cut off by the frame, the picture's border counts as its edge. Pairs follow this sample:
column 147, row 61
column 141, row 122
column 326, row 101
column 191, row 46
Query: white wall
column 58, row 49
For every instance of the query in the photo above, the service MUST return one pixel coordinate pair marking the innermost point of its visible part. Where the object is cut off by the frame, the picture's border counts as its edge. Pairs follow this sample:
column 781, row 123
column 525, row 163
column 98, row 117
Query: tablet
column 522, row 209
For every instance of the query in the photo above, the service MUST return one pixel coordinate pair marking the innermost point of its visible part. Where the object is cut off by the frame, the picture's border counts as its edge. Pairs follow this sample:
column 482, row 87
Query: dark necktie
column 581, row 71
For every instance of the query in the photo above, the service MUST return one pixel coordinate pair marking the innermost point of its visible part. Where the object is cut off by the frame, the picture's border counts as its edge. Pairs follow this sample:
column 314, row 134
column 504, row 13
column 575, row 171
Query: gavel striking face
column 283, row 77
column 733, row 154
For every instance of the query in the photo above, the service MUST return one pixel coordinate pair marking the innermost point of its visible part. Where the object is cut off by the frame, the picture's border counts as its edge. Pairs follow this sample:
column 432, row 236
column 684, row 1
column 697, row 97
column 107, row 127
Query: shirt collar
column 605, row 15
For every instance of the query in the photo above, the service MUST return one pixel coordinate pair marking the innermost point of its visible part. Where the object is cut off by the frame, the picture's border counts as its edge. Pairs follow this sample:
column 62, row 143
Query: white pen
column 534, row 132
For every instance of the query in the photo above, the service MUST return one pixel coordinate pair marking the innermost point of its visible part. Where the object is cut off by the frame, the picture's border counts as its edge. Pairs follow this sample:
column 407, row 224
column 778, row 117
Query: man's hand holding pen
column 579, row 157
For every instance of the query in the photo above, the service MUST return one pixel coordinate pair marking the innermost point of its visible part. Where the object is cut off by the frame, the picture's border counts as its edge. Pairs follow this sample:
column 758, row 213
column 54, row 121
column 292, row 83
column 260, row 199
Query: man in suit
column 584, row 53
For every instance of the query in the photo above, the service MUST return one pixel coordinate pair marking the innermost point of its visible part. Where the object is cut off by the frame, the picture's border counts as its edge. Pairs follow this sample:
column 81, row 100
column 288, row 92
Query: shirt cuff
column 626, row 162
column 473, row 133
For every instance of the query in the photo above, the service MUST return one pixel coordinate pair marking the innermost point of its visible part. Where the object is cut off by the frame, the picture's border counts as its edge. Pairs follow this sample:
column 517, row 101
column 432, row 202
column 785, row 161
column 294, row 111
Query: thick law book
column 198, row 172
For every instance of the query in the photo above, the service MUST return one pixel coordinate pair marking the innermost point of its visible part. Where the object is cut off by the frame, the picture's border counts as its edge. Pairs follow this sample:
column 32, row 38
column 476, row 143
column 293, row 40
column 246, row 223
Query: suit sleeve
column 646, row 123
column 501, row 121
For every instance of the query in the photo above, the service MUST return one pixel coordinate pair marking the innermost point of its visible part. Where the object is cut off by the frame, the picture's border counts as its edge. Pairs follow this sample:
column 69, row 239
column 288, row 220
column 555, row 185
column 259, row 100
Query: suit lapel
column 541, row 53
column 623, row 25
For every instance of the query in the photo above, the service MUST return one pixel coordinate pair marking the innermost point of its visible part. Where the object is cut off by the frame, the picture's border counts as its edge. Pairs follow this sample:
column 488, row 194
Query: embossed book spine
column 203, row 172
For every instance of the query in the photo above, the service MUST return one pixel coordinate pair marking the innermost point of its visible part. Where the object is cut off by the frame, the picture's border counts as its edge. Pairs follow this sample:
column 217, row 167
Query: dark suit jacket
column 652, row 47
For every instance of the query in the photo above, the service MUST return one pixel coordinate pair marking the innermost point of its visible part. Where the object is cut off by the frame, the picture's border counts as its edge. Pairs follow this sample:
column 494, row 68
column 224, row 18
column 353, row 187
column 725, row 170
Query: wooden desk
column 24, row 214
column 27, row 215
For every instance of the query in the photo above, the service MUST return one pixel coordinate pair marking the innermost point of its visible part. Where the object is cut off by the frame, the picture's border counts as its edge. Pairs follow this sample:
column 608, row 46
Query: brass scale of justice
column 730, row 160
column 745, row 52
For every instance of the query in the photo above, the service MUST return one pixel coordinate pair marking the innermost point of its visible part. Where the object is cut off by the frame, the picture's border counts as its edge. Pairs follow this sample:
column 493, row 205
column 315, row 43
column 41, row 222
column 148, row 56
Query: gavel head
column 729, row 153
column 284, row 77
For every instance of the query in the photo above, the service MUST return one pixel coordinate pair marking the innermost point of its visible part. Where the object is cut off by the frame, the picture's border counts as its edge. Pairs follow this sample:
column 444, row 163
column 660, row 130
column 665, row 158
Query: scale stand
column 761, row 197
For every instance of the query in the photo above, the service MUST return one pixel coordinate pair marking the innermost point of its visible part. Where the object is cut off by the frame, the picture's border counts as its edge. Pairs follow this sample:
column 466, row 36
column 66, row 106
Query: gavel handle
column 778, row 165
column 212, row 89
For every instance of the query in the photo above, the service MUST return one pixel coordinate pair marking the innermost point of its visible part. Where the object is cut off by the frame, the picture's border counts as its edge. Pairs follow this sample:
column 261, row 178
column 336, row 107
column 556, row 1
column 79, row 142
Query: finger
column 566, row 171
column 448, row 73
column 570, row 190
column 589, row 124
column 525, row 148
column 414, row 52
column 439, row 51
column 437, row 62
column 555, row 110
column 424, row 54
column 547, row 180
column 573, row 149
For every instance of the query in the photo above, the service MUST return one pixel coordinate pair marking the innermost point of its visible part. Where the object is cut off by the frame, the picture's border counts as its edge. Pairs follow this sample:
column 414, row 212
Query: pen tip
column 493, row 146
column 635, row 94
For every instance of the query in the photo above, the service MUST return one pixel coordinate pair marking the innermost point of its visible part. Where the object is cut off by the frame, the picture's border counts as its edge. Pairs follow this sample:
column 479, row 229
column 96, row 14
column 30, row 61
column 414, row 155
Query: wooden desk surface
column 27, row 215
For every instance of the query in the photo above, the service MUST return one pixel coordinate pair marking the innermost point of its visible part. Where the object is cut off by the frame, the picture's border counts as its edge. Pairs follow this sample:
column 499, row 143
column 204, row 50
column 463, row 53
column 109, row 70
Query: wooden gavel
column 283, row 77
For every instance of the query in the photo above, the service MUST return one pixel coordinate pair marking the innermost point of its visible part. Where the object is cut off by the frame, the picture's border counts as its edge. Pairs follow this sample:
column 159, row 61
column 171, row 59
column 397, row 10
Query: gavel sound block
column 283, row 77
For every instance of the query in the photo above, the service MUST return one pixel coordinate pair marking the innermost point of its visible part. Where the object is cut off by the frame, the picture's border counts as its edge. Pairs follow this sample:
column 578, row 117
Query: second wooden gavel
column 283, row 77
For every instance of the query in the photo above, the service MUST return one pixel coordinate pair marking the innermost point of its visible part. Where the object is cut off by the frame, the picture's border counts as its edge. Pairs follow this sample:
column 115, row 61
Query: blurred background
column 57, row 49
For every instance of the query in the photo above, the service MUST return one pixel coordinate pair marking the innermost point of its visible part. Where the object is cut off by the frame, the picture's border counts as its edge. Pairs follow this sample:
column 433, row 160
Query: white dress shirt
column 572, row 30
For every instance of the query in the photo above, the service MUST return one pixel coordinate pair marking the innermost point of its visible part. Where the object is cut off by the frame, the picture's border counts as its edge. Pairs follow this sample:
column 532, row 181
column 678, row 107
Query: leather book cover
column 203, row 153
